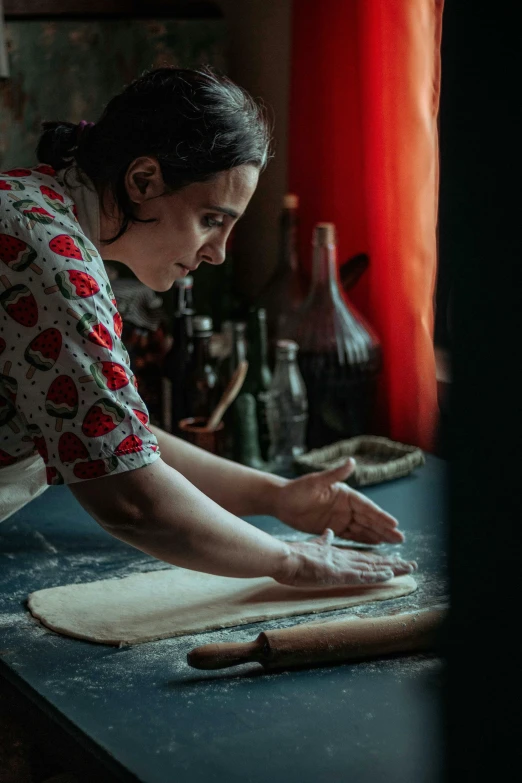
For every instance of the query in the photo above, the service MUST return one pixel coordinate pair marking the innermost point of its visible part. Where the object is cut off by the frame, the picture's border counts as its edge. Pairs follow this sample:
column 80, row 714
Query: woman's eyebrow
column 225, row 210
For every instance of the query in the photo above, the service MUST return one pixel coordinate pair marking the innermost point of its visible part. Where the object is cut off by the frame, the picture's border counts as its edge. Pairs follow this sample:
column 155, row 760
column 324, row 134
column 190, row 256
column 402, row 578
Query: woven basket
column 377, row 459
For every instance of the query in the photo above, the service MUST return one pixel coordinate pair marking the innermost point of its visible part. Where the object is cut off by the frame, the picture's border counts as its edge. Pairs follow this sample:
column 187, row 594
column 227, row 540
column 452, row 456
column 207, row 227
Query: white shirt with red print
column 66, row 388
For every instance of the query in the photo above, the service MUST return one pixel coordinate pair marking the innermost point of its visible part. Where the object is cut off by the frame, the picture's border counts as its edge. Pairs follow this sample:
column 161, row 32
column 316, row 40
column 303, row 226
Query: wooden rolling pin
column 315, row 643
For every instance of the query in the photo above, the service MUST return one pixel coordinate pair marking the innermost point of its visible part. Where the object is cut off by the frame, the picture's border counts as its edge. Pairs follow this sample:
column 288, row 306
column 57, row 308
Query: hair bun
column 57, row 144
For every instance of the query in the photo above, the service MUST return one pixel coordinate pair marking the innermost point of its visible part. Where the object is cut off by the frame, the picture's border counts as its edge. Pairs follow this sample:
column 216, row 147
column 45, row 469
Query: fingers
column 332, row 475
column 371, row 577
column 373, row 562
column 394, row 537
column 369, row 535
column 399, row 567
column 381, row 560
column 366, row 506
column 327, row 537
column 376, row 522
column 325, row 565
column 369, row 558
column 366, row 535
column 377, row 519
column 367, row 516
column 376, row 564
column 382, row 572
column 364, row 520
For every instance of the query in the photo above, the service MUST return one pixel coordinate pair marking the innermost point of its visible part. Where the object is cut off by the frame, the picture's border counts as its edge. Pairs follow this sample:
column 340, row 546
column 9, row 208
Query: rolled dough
column 174, row 602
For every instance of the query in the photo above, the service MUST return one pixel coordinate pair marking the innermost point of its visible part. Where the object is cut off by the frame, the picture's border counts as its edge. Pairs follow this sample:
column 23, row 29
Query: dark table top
column 149, row 717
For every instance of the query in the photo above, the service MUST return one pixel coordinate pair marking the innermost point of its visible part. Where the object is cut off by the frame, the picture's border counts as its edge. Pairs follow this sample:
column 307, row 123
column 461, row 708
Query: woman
column 157, row 184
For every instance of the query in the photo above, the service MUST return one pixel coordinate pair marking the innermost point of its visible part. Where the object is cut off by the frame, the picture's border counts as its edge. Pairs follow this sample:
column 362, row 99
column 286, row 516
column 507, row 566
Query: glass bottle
column 203, row 381
column 287, row 408
column 259, row 375
column 176, row 403
column 242, row 414
column 238, row 351
column 284, row 291
column 340, row 355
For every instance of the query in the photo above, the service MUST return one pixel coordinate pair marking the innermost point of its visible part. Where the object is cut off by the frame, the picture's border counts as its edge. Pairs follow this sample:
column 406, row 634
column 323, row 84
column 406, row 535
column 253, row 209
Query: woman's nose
column 213, row 254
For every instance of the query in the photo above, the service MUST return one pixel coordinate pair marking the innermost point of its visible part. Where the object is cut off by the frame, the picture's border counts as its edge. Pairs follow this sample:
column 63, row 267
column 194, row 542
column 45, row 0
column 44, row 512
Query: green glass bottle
column 259, row 376
column 242, row 415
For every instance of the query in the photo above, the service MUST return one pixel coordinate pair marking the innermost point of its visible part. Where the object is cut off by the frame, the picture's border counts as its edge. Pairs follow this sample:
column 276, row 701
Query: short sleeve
column 77, row 399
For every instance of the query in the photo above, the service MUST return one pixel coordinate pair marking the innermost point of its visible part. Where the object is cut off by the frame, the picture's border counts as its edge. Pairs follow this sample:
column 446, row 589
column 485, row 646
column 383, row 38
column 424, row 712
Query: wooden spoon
column 229, row 395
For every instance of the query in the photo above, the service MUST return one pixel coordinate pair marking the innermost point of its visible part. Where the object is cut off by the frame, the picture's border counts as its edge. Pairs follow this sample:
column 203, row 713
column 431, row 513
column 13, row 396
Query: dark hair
column 197, row 123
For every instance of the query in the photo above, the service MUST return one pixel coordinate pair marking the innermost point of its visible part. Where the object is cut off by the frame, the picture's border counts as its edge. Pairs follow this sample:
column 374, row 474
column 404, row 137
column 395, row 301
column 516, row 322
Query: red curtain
column 363, row 154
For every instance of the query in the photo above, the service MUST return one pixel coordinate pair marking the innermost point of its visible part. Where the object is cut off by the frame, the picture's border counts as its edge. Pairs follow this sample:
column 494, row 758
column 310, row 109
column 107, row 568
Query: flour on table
column 175, row 602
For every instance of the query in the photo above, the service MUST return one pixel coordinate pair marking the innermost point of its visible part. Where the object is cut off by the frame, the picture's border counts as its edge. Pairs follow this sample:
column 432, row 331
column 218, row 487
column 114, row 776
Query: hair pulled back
column 196, row 123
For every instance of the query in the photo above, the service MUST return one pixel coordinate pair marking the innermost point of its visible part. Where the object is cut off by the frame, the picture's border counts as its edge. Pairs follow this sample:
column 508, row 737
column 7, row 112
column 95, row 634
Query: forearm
column 238, row 489
column 160, row 512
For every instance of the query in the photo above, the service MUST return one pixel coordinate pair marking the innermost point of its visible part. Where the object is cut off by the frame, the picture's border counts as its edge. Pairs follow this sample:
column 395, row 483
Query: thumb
column 327, row 537
column 339, row 473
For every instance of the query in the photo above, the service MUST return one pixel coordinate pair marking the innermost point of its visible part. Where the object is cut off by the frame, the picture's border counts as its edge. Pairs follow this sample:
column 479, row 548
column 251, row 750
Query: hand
column 319, row 500
column 319, row 564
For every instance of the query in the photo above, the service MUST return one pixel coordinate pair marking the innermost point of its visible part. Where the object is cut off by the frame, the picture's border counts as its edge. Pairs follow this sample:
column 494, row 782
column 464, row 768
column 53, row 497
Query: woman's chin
column 165, row 279
column 165, row 283
column 157, row 282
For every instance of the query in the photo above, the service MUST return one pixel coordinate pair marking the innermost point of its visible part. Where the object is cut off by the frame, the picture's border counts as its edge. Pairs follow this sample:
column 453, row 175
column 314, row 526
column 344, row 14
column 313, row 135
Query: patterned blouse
column 66, row 387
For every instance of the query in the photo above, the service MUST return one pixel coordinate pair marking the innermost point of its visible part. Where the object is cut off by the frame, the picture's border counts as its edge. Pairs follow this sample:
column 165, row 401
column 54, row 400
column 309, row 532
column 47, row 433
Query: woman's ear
column 144, row 180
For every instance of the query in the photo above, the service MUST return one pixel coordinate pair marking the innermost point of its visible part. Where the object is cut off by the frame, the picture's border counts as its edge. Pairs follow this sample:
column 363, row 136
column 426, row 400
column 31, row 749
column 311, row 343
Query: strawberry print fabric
column 66, row 388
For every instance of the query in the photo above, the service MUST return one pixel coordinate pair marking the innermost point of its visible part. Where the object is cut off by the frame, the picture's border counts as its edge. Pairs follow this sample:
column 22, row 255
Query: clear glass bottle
column 287, row 408
column 203, row 383
column 259, row 376
column 176, row 404
column 340, row 354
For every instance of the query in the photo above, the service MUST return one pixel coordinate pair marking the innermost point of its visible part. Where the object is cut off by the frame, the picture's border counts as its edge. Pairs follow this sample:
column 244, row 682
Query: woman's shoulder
column 38, row 220
column 37, row 193
column 45, row 257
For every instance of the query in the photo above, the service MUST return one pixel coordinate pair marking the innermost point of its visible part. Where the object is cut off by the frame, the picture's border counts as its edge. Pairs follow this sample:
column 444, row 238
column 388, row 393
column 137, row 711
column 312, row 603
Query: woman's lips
column 187, row 268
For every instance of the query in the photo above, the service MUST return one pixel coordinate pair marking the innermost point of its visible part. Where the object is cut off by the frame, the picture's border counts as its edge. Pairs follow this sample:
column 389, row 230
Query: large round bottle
column 340, row 354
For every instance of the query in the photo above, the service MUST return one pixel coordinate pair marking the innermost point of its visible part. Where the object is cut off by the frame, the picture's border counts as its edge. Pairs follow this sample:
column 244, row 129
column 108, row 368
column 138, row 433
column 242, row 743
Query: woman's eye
column 211, row 222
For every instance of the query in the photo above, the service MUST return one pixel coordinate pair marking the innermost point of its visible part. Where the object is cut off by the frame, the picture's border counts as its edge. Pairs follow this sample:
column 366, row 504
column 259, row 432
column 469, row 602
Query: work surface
column 146, row 716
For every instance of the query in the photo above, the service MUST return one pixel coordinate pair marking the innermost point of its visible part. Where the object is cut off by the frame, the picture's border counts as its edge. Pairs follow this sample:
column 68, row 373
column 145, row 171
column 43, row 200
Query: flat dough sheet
column 175, row 602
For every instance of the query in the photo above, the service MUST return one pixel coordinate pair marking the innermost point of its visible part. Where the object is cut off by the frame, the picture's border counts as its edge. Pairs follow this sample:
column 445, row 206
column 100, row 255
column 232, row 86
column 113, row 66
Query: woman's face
column 190, row 226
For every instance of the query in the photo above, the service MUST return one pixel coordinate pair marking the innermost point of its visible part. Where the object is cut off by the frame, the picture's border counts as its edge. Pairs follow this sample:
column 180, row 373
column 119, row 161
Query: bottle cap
column 290, row 201
column 324, row 234
column 239, row 327
column 287, row 349
column 202, row 323
column 184, row 282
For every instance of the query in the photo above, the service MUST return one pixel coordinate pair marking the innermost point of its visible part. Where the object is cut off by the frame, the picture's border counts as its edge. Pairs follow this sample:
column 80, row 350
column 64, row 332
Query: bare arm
column 310, row 503
column 239, row 489
column 158, row 511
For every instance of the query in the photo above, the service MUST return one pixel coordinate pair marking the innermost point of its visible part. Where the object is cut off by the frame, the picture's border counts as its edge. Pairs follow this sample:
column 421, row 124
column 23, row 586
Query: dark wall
column 480, row 244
